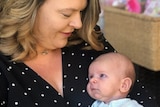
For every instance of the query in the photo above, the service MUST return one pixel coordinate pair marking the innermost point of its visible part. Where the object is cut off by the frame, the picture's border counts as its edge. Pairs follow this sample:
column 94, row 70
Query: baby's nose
column 93, row 80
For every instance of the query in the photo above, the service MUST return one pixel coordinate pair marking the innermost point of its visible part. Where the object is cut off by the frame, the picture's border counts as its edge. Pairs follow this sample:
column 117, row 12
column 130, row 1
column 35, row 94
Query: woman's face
column 56, row 20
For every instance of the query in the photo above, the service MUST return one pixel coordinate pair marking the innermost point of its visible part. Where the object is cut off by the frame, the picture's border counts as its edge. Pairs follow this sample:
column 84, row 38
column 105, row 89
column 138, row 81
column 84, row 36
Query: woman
column 46, row 47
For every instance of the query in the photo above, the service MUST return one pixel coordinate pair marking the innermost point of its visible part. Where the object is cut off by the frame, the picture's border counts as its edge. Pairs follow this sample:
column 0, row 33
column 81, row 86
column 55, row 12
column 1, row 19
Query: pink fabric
column 133, row 6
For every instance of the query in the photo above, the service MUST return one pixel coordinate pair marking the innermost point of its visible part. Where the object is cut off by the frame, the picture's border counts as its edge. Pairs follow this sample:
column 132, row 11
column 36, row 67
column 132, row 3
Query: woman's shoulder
column 83, row 48
column 4, row 58
column 5, row 61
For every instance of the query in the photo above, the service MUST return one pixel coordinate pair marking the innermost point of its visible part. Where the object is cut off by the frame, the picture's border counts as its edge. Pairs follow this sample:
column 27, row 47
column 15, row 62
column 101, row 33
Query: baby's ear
column 125, row 85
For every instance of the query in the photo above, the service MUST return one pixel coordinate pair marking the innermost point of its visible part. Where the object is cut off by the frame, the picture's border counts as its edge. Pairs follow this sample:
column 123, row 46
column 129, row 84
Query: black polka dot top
column 20, row 86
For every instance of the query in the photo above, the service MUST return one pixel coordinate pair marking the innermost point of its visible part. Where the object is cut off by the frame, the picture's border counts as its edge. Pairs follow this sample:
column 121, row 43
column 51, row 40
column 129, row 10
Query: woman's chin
column 62, row 44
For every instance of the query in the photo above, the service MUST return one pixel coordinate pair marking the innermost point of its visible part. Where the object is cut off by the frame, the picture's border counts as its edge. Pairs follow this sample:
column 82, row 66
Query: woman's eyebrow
column 72, row 9
column 67, row 10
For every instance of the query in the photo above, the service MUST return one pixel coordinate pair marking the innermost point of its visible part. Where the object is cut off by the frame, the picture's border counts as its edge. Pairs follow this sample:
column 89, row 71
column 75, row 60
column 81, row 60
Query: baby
column 111, row 77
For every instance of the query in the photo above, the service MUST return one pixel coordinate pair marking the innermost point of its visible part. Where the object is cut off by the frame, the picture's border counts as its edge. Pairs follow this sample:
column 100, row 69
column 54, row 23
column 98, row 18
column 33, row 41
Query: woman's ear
column 125, row 85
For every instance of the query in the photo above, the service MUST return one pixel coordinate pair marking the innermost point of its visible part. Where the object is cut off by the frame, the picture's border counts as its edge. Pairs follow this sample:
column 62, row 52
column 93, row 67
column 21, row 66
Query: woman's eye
column 66, row 15
column 81, row 12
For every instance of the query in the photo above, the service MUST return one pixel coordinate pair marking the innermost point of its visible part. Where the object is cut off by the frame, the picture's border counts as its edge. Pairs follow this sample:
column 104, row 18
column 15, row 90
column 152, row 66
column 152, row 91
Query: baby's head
column 111, row 77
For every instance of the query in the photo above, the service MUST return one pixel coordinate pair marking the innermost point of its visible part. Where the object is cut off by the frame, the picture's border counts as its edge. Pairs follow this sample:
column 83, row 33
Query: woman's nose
column 76, row 22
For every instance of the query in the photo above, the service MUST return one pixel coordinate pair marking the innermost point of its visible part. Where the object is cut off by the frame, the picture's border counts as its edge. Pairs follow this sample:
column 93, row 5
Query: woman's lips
column 67, row 34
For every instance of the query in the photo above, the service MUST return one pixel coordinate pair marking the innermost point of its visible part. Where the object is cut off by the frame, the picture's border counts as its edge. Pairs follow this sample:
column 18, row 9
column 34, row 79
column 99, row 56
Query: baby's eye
column 103, row 75
column 91, row 76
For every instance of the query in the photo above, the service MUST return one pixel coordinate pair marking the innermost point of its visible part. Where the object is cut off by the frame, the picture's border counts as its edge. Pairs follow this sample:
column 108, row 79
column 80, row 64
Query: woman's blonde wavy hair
column 16, row 27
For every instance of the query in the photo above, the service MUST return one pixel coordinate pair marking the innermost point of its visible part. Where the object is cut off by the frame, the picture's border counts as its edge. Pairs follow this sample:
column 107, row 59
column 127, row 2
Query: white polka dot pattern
column 27, row 89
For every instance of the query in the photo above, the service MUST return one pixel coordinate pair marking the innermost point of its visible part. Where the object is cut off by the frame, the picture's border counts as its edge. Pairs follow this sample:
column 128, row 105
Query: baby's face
column 104, row 81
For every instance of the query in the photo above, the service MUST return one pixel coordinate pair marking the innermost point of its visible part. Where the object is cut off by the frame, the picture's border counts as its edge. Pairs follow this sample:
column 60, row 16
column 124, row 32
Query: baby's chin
column 96, row 96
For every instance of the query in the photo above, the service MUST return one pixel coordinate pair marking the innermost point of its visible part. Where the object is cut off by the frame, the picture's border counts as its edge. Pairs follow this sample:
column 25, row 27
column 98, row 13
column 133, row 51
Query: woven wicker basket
column 135, row 35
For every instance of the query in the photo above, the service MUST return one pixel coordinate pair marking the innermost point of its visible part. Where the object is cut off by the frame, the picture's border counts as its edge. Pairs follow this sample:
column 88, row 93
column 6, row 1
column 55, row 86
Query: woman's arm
column 3, row 89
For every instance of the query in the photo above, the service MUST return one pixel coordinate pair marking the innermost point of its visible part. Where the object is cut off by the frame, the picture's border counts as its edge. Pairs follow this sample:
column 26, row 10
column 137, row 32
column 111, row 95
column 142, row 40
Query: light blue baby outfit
column 125, row 102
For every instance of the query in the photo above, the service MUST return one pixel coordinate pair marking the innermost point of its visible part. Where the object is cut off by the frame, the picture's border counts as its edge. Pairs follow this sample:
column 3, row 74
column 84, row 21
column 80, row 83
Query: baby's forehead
column 113, row 57
column 114, row 60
